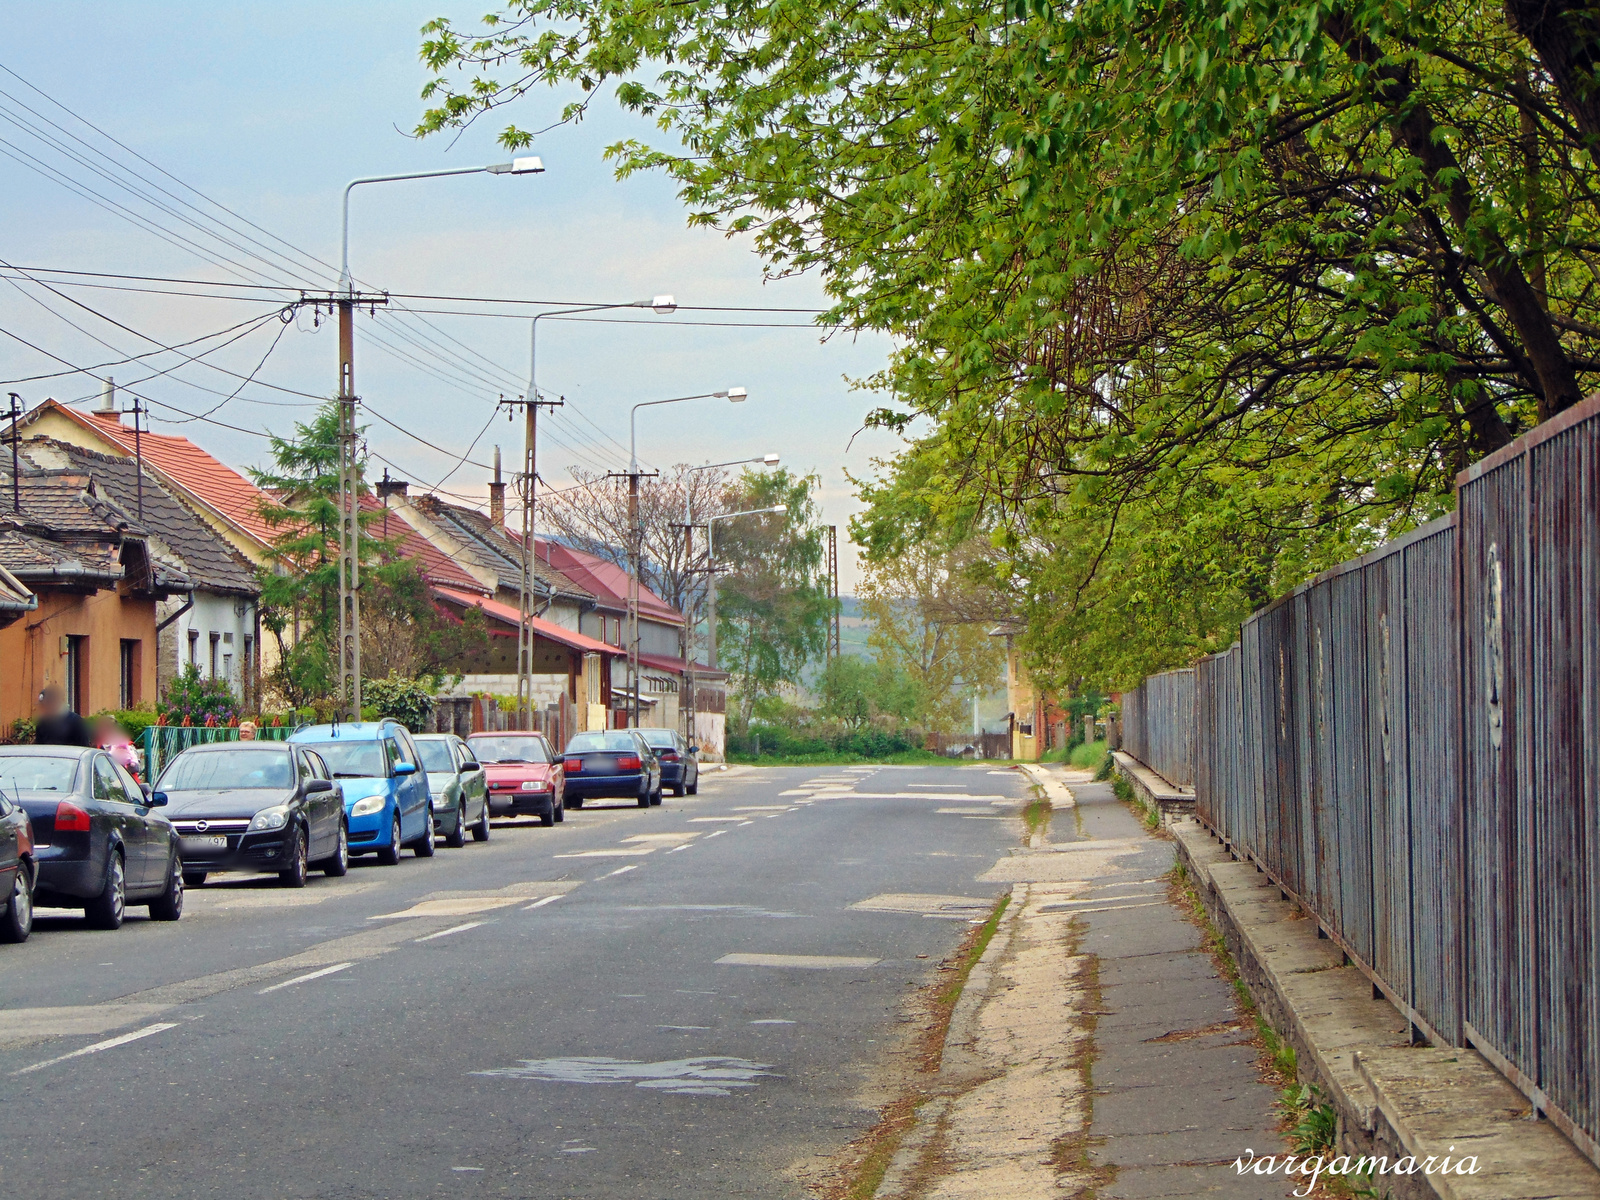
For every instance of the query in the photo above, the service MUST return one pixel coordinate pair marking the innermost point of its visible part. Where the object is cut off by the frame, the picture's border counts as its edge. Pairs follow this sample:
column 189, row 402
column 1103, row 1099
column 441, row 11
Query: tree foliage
column 1194, row 297
column 773, row 596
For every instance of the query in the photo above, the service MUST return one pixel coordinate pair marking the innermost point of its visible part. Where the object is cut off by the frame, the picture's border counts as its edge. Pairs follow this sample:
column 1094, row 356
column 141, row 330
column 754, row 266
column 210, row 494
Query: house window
column 77, row 665
column 128, row 689
column 194, row 648
column 227, row 668
column 216, row 641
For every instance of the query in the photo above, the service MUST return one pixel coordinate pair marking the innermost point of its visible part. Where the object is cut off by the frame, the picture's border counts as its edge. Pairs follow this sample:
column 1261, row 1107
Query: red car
column 524, row 776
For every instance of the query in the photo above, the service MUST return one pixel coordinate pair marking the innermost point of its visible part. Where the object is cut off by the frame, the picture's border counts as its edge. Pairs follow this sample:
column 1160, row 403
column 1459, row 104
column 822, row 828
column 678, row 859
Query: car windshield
column 220, row 770
column 659, row 739
column 36, row 773
column 509, row 749
column 602, row 741
column 436, row 756
column 353, row 760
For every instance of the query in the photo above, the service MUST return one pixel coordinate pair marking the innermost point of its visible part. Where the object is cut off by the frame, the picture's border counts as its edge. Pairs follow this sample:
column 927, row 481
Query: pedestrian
column 58, row 725
column 111, row 737
column 247, row 731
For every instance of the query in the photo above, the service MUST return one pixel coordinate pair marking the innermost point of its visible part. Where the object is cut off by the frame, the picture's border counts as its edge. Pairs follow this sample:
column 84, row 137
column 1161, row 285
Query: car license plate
column 196, row 845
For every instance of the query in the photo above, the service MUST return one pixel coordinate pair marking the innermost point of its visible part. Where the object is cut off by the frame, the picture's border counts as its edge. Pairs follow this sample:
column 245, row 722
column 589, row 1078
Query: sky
column 268, row 110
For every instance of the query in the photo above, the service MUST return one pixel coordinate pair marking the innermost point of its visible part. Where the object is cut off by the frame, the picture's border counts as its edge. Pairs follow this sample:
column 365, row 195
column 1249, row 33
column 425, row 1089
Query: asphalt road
column 543, row 1015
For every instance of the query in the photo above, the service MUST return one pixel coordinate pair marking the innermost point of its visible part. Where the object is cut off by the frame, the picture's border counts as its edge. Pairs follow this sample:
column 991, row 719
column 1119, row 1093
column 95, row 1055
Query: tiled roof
column 507, row 615
column 494, row 548
column 604, row 579
column 69, row 529
column 174, row 531
column 436, row 566
column 15, row 598
column 211, row 481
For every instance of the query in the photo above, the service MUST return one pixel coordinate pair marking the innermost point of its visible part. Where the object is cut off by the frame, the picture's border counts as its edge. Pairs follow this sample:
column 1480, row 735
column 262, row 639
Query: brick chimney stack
column 497, row 494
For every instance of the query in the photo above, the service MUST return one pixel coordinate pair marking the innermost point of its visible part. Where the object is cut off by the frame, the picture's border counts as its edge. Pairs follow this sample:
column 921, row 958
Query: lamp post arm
column 344, row 228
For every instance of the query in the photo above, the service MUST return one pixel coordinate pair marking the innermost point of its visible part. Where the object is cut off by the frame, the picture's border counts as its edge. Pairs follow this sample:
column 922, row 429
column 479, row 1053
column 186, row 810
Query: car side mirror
column 156, row 799
column 470, row 765
column 694, row 749
column 405, row 768
column 318, row 785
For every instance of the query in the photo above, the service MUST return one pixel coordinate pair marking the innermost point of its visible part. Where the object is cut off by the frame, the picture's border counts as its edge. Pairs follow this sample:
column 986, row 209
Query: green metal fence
column 159, row 744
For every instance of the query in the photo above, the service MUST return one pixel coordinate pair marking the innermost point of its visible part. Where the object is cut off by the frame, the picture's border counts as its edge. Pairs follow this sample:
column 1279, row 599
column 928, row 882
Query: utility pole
column 635, row 564
column 527, row 488
column 349, row 514
column 138, row 453
column 16, row 442
column 833, row 587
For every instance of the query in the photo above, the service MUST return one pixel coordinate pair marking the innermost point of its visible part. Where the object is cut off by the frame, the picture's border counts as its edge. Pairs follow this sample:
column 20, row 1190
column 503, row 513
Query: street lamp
column 662, row 305
column 349, row 485
column 766, row 460
column 711, row 573
column 734, row 395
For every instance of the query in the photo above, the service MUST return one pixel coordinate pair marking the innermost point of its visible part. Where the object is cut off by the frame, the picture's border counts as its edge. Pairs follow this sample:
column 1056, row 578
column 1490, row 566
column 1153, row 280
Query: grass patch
column 1037, row 815
column 969, row 954
column 913, row 758
column 1088, row 754
column 1148, row 814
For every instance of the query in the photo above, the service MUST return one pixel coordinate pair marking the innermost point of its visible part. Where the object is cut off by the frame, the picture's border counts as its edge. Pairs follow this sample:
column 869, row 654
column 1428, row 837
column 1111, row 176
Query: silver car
column 460, row 793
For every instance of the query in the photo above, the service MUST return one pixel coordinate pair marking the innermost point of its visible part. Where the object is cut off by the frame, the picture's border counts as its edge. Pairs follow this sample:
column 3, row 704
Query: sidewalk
column 1095, row 1051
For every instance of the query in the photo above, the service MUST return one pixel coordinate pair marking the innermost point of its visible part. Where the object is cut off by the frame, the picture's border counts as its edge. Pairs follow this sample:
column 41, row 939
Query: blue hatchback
column 386, row 799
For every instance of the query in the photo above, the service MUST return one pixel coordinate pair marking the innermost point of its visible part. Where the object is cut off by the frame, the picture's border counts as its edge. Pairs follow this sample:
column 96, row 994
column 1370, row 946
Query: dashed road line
column 108, row 1044
column 541, row 903
column 621, row 871
column 447, row 932
column 306, row 977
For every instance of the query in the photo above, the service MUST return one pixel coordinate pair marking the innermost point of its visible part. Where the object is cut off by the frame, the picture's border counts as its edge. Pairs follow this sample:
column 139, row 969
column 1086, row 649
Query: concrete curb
column 1393, row 1099
column 1055, row 789
column 1170, row 801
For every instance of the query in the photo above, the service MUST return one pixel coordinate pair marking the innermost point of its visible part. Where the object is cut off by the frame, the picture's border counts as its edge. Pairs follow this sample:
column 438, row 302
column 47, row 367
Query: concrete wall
column 231, row 618
column 31, row 651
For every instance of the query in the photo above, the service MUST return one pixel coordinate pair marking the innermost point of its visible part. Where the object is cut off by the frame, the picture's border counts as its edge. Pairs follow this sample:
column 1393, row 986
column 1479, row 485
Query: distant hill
column 853, row 628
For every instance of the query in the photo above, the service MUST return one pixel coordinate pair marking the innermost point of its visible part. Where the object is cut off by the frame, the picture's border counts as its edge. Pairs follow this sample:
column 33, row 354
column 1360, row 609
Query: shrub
column 195, row 701
column 409, row 701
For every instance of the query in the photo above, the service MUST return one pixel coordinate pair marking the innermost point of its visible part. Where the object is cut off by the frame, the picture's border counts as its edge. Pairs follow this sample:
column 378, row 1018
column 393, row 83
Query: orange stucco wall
column 31, row 650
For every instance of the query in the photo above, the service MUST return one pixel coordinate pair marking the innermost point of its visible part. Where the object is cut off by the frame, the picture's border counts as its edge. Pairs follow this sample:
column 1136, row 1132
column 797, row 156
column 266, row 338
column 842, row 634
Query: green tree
column 1251, row 281
column 773, row 598
column 858, row 691
column 404, row 632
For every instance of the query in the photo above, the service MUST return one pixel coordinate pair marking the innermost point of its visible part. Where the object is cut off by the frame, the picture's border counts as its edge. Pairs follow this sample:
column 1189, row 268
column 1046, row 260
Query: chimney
column 108, row 400
column 387, row 487
column 497, row 494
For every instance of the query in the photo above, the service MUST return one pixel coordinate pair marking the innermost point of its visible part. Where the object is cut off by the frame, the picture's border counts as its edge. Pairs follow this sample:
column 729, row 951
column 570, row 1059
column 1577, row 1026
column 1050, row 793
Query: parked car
column 613, row 762
column 523, row 774
column 386, row 800
column 680, row 762
column 99, row 844
column 255, row 806
column 458, row 786
column 16, row 872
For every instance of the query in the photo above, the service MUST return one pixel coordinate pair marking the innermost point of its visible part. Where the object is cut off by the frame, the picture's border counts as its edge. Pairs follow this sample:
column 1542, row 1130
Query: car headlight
column 269, row 818
column 535, row 785
column 367, row 806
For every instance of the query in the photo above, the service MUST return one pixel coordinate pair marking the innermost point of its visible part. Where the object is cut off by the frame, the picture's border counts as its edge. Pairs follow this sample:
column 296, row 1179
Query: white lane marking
column 633, row 852
column 797, row 792
column 108, row 1044
column 807, row 962
column 460, row 906
column 742, row 824
column 1106, row 908
column 304, row 978
column 936, row 785
column 709, row 820
column 466, row 1168
column 621, row 870
column 662, row 839
column 772, row 1021
column 718, row 833
column 448, row 932
column 685, row 1028
column 541, row 903
column 675, row 849
column 760, row 808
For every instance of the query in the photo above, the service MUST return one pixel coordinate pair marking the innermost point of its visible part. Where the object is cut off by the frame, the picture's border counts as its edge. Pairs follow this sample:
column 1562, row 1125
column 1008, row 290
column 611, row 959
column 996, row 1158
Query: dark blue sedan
column 613, row 762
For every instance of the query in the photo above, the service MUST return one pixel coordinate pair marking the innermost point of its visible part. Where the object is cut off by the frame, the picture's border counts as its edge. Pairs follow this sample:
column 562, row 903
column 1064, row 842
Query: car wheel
column 390, row 854
column 106, row 910
column 423, row 846
column 339, row 863
column 644, row 799
column 457, row 837
column 294, row 875
column 194, row 878
column 561, row 809
column 655, row 796
column 169, row 905
column 16, row 921
column 480, row 831
column 575, row 802
column 547, row 818
column 678, row 789
column 694, row 788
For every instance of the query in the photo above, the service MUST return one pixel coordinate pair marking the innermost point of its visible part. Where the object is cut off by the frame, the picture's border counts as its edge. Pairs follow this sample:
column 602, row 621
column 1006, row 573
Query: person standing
column 58, row 725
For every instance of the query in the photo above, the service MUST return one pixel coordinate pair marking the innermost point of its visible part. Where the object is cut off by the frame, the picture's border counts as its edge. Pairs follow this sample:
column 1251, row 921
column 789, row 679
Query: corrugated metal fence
column 1410, row 745
column 1158, row 725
